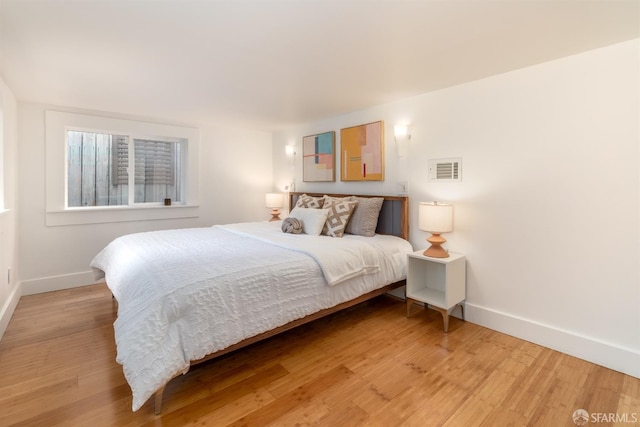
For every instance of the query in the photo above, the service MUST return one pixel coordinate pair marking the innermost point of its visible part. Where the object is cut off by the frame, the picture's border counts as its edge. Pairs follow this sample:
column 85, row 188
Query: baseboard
column 56, row 283
column 8, row 308
column 602, row 353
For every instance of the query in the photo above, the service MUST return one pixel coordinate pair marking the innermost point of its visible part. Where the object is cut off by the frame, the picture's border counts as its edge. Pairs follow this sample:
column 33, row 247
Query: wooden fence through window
column 97, row 170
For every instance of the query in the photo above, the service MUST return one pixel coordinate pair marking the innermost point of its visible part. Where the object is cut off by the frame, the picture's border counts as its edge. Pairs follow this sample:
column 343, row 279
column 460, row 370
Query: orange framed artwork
column 362, row 149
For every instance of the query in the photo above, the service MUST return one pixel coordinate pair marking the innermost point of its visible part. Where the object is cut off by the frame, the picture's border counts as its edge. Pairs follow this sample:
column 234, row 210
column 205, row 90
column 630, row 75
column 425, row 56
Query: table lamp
column 436, row 218
column 274, row 201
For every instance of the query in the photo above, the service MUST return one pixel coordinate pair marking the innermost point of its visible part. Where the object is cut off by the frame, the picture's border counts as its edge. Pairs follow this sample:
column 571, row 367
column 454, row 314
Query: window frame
column 58, row 213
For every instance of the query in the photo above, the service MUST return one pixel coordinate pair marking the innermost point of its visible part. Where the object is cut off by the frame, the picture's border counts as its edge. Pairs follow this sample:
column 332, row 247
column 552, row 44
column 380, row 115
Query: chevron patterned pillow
column 339, row 214
column 305, row 201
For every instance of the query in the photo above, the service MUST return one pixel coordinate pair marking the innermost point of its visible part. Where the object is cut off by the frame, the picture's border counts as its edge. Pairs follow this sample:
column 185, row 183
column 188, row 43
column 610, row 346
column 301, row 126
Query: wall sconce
column 436, row 218
column 402, row 136
column 290, row 150
column 274, row 201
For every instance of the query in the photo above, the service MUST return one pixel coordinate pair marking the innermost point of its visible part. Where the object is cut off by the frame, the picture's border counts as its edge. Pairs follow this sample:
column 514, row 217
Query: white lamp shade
column 290, row 150
column 435, row 217
column 401, row 131
column 273, row 200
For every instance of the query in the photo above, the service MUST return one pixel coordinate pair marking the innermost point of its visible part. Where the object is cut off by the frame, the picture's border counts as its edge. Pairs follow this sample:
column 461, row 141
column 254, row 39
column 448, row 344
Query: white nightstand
column 439, row 282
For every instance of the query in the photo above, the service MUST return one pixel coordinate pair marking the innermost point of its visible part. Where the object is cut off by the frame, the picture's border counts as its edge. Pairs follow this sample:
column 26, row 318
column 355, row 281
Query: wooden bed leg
column 158, row 400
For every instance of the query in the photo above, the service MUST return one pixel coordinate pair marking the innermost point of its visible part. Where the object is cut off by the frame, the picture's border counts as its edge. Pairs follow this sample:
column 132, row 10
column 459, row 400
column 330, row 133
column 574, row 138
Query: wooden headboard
column 394, row 215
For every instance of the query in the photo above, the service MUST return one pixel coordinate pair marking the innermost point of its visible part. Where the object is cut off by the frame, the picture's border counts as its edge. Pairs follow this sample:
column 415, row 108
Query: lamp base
column 275, row 215
column 436, row 250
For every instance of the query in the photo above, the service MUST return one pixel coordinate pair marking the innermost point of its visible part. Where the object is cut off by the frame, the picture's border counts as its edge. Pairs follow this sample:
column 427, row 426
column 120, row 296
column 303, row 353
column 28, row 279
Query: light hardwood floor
column 368, row 365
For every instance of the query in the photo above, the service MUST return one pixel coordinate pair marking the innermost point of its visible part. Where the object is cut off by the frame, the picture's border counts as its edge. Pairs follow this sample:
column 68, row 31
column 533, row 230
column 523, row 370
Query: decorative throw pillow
column 305, row 201
column 328, row 199
column 291, row 225
column 312, row 220
column 364, row 219
column 339, row 214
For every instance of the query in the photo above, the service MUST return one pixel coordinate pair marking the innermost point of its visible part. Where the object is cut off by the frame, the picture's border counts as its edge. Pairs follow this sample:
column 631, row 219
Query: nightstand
column 438, row 282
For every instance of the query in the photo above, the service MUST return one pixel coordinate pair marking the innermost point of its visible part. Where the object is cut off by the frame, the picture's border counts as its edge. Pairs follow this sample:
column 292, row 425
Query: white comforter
column 183, row 294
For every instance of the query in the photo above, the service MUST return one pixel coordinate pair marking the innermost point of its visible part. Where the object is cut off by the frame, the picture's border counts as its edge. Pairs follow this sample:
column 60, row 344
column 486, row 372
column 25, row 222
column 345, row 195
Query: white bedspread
column 183, row 294
column 338, row 262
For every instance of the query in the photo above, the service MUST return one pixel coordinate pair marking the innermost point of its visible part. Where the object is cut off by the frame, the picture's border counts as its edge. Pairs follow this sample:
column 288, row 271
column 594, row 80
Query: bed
column 186, row 296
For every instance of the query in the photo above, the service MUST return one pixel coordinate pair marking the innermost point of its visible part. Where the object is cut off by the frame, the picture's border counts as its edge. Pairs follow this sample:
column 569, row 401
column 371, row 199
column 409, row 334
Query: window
column 98, row 172
column 101, row 169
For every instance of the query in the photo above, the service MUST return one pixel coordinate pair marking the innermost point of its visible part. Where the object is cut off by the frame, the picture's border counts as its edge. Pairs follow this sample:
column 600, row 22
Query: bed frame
column 393, row 220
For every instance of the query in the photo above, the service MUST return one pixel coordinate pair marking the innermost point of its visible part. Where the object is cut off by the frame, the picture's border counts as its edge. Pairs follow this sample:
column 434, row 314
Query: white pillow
column 312, row 219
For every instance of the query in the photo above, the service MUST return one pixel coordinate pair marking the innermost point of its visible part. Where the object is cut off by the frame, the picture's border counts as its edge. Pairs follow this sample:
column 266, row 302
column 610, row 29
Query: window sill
column 4, row 212
column 101, row 215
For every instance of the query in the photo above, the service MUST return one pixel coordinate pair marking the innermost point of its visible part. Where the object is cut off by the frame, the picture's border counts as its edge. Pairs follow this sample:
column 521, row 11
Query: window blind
column 120, row 162
column 154, row 162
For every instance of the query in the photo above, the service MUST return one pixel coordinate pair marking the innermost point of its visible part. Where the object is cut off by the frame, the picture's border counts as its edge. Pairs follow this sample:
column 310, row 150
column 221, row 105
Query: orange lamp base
column 275, row 215
column 436, row 250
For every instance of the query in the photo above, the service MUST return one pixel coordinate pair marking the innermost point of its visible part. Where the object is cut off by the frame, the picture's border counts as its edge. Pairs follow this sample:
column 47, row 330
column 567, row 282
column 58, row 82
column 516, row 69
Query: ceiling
column 268, row 64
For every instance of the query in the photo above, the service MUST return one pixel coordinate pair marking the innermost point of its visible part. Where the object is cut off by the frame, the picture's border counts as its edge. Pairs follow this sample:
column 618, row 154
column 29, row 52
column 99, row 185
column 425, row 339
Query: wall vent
column 445, row 170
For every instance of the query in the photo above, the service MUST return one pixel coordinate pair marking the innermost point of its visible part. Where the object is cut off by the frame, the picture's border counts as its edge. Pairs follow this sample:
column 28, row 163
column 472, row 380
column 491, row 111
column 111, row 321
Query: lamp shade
column 273, row 200
column 435, row 217
column 401, row 132
column 290, row 150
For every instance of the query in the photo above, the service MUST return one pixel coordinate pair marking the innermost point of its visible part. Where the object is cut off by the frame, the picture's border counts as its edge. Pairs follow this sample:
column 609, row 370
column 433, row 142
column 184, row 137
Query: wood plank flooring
column 366, row 366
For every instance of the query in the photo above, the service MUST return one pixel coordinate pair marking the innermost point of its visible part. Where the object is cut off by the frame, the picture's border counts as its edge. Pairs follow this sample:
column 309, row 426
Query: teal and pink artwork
column 318, row 157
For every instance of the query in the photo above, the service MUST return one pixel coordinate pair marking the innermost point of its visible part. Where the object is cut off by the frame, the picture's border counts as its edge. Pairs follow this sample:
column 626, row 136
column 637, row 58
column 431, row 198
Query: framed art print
column 318, row 157
column 362, row 153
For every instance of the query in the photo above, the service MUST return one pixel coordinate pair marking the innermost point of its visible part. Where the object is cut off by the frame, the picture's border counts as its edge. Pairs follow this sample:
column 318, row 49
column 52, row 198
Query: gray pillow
column 364, row 218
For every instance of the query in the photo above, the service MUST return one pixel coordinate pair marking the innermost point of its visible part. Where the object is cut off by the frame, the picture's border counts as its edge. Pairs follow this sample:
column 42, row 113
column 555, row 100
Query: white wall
column 235, row 172
column 549, row 208
column 9, row 289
